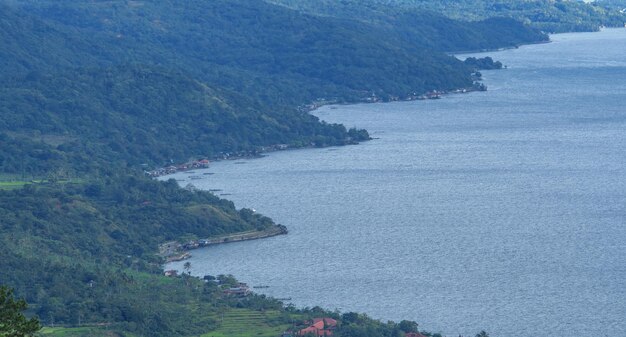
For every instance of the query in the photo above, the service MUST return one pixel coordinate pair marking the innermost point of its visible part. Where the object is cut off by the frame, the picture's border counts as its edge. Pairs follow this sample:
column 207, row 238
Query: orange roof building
column 319, row 327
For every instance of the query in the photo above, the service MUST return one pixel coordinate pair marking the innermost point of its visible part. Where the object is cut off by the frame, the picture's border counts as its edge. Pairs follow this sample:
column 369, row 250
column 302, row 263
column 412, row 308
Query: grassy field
column 76, row 332
column 13, row 184
column 248, row 323
column 9, row 185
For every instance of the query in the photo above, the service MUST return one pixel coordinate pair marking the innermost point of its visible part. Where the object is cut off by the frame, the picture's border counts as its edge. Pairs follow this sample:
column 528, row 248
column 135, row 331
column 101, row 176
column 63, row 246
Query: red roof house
column 326, row 321
column 319, row 327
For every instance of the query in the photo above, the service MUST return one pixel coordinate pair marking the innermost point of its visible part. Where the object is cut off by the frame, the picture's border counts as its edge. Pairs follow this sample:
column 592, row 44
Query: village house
column 319, row 327
column 240, row 290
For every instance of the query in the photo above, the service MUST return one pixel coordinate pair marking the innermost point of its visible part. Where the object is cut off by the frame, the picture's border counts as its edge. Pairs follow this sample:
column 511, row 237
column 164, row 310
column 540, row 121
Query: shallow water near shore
column 502, row 210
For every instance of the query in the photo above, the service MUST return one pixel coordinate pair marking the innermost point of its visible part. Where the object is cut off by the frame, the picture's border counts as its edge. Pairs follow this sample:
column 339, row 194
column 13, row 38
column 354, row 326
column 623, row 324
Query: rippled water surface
column 502, row 210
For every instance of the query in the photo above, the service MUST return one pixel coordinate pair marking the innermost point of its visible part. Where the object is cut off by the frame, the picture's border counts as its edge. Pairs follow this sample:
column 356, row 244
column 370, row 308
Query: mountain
column 92, row 93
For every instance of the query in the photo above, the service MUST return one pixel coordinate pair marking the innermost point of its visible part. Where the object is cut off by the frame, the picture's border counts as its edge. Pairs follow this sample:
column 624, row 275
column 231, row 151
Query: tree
column 482, row 334
column 187, row 267
column 12, row 322
column 408, row 326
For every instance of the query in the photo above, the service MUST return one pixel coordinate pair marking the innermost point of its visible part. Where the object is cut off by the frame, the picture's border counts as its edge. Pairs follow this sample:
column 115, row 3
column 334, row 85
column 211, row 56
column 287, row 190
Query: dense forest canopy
column 94, row 92
column 547, row 15
column 150, row 82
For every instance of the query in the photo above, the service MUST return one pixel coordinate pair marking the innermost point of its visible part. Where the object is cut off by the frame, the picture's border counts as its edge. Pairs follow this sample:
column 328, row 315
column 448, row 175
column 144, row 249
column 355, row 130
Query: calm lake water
column 502, row 210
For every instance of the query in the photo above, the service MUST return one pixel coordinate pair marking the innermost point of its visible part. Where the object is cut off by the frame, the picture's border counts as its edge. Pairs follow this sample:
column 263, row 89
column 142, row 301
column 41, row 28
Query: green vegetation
column 13, row 323
column 426, row 28
column 86, row 253
column 93, row 93
column 84, row 331
column 128, row 83
column 485, row 63
column 240, row 322
column 547, row 15
column 9, row 185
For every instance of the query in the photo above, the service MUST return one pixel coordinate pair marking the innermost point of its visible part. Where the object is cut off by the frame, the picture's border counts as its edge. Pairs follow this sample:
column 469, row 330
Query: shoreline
column 173, row 251
column 258, row 153
column 488, row 50
column 182, row 250
column 478, row 86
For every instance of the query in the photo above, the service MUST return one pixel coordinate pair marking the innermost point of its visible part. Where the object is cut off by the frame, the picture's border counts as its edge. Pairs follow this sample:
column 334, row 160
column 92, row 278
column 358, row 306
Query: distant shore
column 487, row 50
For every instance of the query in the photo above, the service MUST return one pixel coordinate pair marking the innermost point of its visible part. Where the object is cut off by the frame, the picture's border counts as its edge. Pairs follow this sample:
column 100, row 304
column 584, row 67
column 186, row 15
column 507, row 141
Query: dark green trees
column 408, row 326
column 482, row 334
column 12, row 322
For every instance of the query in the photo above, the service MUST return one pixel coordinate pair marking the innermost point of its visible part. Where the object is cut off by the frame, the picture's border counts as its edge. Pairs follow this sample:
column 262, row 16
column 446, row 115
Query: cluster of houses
column 204, row 163
column 433, row 94
column 196, row 164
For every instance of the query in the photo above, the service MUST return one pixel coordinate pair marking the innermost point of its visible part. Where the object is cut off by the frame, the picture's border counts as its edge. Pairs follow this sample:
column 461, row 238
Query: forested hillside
column 228, row 74
column 94, row 92
column 84, row 252
column 547, row 15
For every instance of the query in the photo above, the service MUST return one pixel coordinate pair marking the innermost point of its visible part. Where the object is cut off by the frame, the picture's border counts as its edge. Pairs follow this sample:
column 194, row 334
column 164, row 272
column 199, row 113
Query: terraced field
column 248, row 323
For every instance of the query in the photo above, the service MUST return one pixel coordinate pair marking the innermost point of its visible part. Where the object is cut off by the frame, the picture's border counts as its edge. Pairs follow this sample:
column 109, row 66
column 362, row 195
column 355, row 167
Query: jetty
column 245, row 236
column 177, row 251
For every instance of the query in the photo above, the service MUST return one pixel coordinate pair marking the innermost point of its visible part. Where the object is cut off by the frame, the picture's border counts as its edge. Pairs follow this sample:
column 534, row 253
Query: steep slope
column 136, row 115
column 255, row 48
column 546, row 15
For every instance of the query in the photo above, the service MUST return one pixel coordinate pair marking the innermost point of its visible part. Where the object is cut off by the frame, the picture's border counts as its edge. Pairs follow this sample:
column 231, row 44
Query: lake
column 502, row 210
